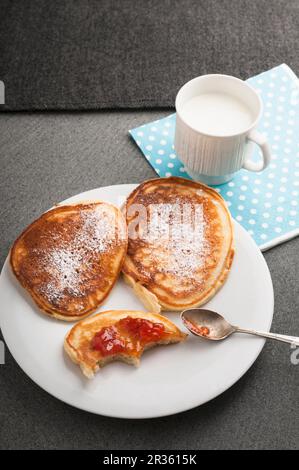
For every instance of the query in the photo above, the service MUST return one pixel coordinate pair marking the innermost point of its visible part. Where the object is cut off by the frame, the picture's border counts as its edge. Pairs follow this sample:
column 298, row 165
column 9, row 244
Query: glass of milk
column 216, row 124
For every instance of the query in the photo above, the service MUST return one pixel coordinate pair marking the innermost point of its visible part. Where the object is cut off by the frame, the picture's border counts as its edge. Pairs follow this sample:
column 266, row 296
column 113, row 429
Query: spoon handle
column 286, row 339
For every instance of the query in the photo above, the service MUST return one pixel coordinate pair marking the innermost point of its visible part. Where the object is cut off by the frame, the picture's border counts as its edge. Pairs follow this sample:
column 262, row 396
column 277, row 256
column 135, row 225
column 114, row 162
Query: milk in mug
column 218, row 114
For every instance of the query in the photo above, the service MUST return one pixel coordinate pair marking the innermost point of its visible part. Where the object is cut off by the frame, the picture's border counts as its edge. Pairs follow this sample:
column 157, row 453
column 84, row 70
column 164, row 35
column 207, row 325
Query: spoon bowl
column 207, row 324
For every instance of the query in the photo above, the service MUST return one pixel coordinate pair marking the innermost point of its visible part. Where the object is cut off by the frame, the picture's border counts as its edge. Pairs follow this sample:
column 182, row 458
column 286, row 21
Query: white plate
column 170, row 379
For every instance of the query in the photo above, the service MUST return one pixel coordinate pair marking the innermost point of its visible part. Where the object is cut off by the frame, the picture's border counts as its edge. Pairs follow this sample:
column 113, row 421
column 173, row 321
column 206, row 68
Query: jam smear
column 197, row 329
column 127, row 335
column 143, row 330
column 203, row 330
column 107, row 341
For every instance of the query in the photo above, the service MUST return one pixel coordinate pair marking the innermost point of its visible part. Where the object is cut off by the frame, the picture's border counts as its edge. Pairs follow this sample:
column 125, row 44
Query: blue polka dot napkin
column 265, row 203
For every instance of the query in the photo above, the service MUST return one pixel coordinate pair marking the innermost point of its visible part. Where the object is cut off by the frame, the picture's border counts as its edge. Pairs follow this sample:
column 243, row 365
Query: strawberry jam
column 107, row 341
column 196, row 329
column 204, row 330
column 143, row 330
column 127, row 335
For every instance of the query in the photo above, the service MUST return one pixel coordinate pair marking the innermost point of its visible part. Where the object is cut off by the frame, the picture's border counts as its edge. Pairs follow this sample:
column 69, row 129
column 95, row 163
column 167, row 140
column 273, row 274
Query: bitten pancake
column 180, row 243
column 118, row 335
column 69, row 259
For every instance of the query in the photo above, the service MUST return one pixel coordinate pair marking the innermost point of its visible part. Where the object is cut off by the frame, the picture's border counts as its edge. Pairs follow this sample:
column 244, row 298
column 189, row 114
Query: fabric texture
column 98, row 54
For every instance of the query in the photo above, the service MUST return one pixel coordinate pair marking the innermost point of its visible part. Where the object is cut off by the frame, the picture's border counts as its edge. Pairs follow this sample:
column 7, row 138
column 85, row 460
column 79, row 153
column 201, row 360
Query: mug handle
column 261, row 141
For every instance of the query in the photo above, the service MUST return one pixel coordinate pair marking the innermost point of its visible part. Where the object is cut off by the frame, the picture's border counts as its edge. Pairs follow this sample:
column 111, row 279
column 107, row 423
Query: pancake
column 118, row 335
column 180, row 246
column 69, row 259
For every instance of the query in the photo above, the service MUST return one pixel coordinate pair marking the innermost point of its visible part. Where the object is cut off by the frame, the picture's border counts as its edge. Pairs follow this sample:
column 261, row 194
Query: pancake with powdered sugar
column 180, row 245
column 69, row 259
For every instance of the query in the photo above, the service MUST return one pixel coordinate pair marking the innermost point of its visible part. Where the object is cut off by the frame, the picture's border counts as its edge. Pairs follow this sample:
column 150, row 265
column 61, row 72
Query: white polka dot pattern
column 265, row 203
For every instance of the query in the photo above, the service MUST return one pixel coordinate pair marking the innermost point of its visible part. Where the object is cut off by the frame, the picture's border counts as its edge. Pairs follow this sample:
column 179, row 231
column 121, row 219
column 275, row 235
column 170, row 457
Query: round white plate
column 171, row 378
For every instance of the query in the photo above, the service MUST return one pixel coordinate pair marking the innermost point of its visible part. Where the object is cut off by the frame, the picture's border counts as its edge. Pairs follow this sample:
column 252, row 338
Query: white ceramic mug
column 213, row 159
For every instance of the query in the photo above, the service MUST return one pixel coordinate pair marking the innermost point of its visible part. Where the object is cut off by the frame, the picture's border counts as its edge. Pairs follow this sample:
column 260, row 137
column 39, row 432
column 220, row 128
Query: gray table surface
column 46, row 158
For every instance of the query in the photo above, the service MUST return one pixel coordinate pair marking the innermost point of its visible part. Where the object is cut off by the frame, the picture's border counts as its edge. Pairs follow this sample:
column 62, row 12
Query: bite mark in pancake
column 81, row 341
column 70, row 257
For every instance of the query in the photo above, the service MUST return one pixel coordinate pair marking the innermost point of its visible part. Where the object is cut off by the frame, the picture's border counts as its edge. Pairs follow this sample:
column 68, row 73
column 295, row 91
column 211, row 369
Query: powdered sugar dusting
column 64, row 267
column 98, row 230
column 71, row 260
column 176, row 237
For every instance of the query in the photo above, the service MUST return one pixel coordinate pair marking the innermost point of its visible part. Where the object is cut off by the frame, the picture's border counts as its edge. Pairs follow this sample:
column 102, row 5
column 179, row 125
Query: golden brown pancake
column 81, row 347
column 69, row 259
column 180, row 245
